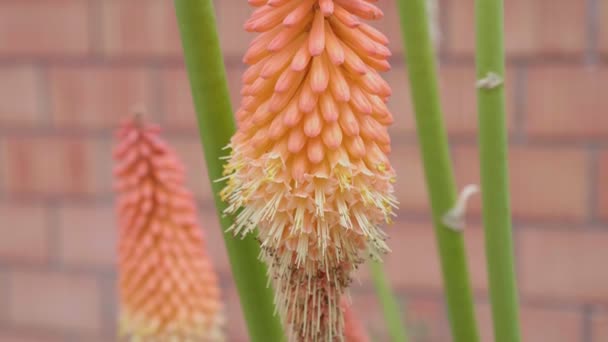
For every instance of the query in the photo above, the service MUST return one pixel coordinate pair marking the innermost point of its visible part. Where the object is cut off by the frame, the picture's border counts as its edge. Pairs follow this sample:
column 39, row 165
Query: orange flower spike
column 168, row 288
column 308, row 165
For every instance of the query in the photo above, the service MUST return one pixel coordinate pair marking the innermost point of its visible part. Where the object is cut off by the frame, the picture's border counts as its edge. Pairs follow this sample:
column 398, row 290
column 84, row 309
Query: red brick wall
column 69, row 69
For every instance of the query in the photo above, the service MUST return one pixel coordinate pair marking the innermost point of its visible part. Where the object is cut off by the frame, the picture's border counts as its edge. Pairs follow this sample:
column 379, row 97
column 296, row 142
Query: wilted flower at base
column 353, row 329
column 168, row 288
column 309, row 162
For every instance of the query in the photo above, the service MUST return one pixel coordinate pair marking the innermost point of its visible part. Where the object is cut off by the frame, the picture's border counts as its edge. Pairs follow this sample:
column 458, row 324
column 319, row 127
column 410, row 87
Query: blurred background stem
column 203, row 57
column 421, row 63
column 389, row 302
column 494, row 169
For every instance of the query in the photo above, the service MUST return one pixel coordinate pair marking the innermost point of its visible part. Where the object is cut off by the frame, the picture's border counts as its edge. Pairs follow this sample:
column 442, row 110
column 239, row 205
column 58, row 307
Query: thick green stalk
column 494, row 170
column 203, row 58
column 390, row 305
column 438, row 169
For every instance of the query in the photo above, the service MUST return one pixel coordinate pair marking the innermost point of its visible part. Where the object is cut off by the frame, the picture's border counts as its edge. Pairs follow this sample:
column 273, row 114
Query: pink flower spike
column 168, row 288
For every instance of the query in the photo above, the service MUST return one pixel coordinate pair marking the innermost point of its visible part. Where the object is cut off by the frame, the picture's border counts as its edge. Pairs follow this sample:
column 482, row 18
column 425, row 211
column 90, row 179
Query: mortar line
column 54, row 235
column 592, row 199
column 587, row 324
column 43, row 91
column 517, row 262
column 95, row 27
column 103, row 166
column 3, row 163
column 156, row 91
column 43, row 199
column 109, row 306
column 4, row 294
column 232, row 60
column 520, row 99
column 161, row 98
column 592, row 28
column 444, row 46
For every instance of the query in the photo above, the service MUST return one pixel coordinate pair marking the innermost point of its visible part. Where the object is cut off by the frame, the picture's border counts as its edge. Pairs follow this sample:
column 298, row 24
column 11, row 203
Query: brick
column 567, row 102
column 231, row 16
column 389, row 25
column 400, row 103
column 139, row 28
column 546, row 182
column 555, row 27
column 98, row 96
column 87, row 236
column 102, row 339
column 233, row 77
column 599, row 326
column 191, row 154
column 410, row 244
column 236, row 330
column 458, row 101
column 537, row 324
column 549, row 182
column 458, row 98
column 564, row 264
column 178, row 108
column 414, row 260
column 39, row 27
column 425, row 317
column 42, row 165
column 367, row 309
column 21, row 336
column 602, row 185
column 456, row 87
column 54, row 301
column 410, row 188
column 24, row 234
column 105, row 165
column 20, row 100
column 476, row 256
column 4, row 297
column 110, row 306
column 214, row 243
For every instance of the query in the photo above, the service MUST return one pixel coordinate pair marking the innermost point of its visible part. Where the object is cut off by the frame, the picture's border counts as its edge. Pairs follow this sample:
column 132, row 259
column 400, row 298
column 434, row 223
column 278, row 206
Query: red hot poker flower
column 309, row 164
column 168, row 288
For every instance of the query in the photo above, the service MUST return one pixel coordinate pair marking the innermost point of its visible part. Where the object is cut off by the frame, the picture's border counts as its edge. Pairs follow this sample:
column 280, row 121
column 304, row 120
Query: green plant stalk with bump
column 490, row 63
column 421, row 63
column 206, row 72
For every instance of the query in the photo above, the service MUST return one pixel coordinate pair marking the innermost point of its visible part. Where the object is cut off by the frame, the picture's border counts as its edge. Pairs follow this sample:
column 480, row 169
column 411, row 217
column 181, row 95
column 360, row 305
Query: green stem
column 494, row 172
column 438, row 169
column 212, row 103
column 389, row 303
